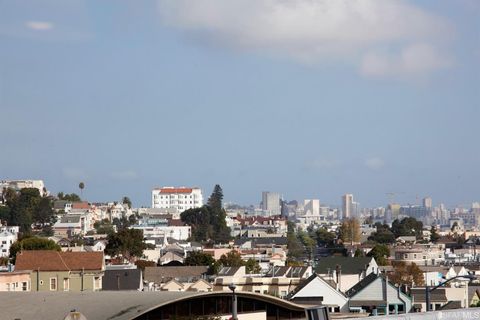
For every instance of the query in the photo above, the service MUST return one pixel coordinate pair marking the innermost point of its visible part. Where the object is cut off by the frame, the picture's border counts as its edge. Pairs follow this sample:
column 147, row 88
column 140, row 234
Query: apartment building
column 181, row 198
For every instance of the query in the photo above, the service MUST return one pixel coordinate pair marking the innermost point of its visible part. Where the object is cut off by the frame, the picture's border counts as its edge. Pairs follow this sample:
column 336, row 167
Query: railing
column 457, row 314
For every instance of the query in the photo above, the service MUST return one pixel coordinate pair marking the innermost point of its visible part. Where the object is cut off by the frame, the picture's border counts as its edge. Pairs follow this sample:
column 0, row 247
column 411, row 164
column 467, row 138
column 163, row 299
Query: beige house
column 15, row 281
column 198, row 286
column 279, row 281
column 62, row 271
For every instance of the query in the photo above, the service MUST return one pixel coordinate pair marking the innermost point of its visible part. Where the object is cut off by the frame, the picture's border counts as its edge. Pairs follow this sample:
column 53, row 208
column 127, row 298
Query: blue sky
column 306, row 98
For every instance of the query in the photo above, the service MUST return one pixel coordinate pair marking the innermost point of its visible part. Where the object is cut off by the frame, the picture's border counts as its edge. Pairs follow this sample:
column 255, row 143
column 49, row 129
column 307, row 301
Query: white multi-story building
column 18, row 185
column 271, row 203
column 179, row 198
column 8, row 235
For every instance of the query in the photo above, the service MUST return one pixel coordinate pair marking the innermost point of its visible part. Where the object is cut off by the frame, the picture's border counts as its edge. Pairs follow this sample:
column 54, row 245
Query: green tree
column 407, row 274
column 324, row 237
column 126, row 242
column 43, row 213
column 22, row 208
column 199, row 258
column 294, row 247
column 382, row 235
column 72, row 197
column 208, row 222
column 381, row 253
column 350, row 230
column 407, row 227
column 126, row 200
column 359, row 253
column 252, row 266
column 81, row 186
column 231, row 259
column 308, row 243
column 4, row 214
column 216, row 198
column 32, row 243
column 434, row 236
column 103, row 227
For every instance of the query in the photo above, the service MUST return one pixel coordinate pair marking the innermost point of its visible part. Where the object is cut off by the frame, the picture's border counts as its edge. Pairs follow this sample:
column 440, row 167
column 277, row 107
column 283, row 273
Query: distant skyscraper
column 427, row 202
column 347, row 206
column 271, row 203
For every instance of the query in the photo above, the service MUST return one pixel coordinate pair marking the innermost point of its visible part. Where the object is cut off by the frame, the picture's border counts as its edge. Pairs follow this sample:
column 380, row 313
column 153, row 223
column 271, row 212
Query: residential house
column 438, row 298
column 346, row 271
column 15, row 281
column 156, row 277
column 317, row 291
column 170, row 256
column 279, row 281
column 376, row 295
column 62, row 271
column 421, row 254
column 8, row 235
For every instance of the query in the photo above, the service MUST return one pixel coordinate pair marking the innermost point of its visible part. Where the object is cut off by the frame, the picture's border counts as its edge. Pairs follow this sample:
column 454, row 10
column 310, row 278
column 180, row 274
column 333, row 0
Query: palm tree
column 81, row 185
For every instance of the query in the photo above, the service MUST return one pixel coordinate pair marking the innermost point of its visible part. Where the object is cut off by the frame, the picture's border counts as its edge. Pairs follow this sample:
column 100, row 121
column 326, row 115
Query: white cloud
column 39, row 25
column 319, row 31
column 375, row 163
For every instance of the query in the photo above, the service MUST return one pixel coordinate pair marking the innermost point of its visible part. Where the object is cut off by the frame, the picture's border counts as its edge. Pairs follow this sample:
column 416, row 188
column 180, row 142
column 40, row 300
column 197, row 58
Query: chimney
column 338, row 270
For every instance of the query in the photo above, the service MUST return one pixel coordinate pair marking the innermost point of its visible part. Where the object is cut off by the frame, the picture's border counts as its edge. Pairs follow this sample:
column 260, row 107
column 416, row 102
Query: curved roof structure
column 107, row 305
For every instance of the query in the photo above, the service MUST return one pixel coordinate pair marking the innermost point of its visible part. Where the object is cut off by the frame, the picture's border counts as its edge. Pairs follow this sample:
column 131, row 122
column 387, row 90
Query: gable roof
column 438, row 295
column 365, row 282
column 305, row 282
column 348, row 265
column 228, row 271
column 50, row 260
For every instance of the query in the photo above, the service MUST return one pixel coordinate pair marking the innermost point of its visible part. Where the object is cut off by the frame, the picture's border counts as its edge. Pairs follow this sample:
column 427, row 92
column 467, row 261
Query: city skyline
column 127, row 97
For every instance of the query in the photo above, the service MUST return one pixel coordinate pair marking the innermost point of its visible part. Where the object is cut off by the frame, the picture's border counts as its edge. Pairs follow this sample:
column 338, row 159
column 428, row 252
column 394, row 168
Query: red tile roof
column 176, row 190
column 80, row 205
column 176, row 222
column 49, row 260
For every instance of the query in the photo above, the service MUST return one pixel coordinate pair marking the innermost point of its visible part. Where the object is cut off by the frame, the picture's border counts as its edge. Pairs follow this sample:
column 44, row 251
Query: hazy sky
column 309, row 98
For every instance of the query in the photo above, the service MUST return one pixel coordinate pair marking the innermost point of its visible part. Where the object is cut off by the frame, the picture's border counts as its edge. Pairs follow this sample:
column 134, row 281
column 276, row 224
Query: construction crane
column 391, row 196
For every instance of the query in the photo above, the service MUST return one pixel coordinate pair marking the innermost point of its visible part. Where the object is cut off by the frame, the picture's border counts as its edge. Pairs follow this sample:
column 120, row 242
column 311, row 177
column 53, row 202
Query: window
column 66, row 284
column 97, row 283
column 8, row 286
column 53, row 284
column 24, row 286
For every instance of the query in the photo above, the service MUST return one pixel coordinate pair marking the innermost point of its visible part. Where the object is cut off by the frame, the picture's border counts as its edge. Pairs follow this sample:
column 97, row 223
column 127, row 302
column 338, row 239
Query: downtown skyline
column 127, row 97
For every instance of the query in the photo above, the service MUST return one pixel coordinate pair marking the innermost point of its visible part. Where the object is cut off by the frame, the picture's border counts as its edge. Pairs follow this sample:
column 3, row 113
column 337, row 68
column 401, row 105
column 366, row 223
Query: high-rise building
column 177, row 198
column 311, row 207
column 347, row 206
column 427, row 202
column 271, row 203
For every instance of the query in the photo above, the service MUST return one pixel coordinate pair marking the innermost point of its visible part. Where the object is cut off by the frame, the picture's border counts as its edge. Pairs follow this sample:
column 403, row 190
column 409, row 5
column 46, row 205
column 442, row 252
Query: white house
column 8, row 235
column 375, row 294
column 180, row 198
column 317, row 291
